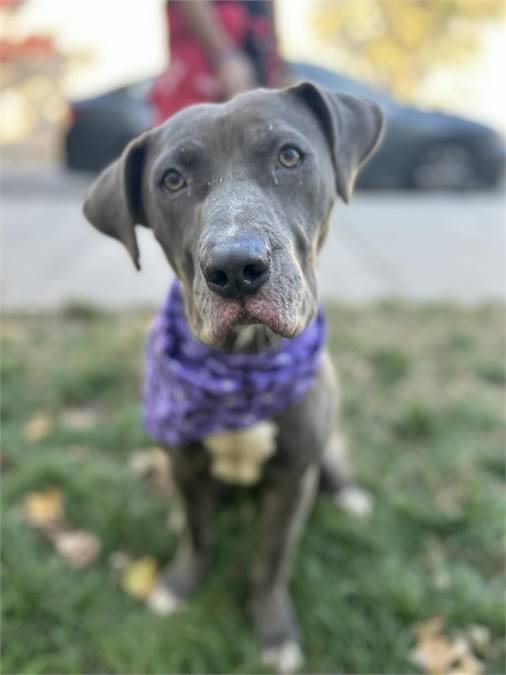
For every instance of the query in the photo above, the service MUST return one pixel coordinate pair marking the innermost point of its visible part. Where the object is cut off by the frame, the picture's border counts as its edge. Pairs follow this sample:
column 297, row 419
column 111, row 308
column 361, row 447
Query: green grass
column 423, row 401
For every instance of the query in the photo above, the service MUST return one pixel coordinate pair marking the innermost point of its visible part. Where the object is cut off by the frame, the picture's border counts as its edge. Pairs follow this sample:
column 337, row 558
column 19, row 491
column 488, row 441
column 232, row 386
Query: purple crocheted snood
column 191, row 390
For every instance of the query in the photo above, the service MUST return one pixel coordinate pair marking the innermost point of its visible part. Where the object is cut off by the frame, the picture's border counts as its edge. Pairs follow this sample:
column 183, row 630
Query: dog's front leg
column 199, row 495
column 286, row 504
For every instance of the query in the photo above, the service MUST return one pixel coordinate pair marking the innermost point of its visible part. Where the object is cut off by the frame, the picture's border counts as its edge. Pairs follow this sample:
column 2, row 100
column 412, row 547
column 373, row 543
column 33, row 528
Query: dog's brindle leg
column 199, row 496
column 286, row 503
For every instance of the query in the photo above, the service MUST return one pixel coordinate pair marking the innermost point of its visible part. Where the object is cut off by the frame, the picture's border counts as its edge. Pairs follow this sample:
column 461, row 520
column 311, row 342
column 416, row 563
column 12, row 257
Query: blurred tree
column 32, row 88
column 396, row 43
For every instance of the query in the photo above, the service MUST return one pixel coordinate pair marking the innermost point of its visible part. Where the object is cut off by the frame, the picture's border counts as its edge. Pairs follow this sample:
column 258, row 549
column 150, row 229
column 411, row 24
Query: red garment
column 190, row 79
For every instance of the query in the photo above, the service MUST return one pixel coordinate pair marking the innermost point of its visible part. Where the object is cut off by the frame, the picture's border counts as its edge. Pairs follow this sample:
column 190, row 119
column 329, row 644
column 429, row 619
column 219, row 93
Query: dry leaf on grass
column 79, row 419
column 141, row 461
column 38, row 428
column 44, row 509
column 139, row 577
column 79, row 548
column 429, row 628
column 154, row 464
column 436, row 654
column 468, row 665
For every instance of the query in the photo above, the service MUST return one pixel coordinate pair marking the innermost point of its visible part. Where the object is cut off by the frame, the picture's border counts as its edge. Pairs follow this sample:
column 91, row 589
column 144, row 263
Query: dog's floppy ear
column 354, row 128
column 113, row 204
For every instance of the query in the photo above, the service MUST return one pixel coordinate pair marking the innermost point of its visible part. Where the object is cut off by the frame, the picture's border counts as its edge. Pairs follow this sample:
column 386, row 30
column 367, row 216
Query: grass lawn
column 423, row 393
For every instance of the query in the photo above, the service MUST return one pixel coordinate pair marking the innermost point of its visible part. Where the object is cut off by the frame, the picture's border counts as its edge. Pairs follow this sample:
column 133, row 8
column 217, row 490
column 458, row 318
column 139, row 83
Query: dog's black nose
column 236, row 267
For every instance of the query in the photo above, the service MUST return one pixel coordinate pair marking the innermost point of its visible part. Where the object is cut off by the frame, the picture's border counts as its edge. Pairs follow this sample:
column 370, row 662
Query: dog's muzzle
column 236, row 266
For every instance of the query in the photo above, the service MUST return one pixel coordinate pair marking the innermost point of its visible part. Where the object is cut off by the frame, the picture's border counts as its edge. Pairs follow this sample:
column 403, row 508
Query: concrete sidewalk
column 405, row 245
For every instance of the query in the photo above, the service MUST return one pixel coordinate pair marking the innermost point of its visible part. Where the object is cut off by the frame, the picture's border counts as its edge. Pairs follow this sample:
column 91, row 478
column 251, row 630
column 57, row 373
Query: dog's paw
column 163, row 601
column 354, row 501
column 284, row 659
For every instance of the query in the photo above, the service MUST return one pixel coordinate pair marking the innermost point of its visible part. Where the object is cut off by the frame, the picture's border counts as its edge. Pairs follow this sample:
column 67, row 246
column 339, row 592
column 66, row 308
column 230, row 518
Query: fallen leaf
column 436, row 654
column 140, row 461
column 38, row 428
column 44, row 509
column 468, row 665
column 79, row 419
column 154, row 464
column 428, row 628
column 79, row 548
column 139, row 577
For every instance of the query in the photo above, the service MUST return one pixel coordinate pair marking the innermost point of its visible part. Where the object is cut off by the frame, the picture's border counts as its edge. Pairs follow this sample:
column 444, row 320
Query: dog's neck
column 251, row 339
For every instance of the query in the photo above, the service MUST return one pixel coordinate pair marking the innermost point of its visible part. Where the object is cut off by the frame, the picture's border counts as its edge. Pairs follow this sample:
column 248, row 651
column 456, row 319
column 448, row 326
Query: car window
column 140, row 90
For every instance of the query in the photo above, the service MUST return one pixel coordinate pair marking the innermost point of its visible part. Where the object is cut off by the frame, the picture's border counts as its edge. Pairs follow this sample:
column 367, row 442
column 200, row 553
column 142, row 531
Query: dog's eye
column 289, row 156
column 173, row 181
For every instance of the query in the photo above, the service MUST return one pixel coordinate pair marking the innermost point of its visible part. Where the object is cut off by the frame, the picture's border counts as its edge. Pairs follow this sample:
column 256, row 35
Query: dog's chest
column 238, row 456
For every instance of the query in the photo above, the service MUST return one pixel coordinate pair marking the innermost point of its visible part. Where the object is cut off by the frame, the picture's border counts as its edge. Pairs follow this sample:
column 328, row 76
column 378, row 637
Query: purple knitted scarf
column 191, row 390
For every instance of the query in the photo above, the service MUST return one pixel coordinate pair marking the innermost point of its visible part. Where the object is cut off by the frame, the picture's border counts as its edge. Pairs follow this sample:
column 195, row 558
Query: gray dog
column 239, row 195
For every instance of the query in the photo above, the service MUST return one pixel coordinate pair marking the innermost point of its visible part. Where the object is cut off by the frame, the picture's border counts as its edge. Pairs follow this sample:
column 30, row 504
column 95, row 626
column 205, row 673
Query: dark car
column 422, row 149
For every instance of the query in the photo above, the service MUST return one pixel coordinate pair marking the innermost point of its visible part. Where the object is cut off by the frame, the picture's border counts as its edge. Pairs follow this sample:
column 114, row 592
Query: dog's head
column 239, row 196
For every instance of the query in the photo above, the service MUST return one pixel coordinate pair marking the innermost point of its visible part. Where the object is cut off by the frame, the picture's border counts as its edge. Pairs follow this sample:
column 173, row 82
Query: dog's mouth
column 250, row 310
column 255, row 311
column 284, row 305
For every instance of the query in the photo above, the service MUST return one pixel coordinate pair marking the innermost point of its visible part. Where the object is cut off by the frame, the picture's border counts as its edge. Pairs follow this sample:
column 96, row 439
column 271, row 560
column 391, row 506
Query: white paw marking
column 163, row 601
column 285, row 659
column 355, row 501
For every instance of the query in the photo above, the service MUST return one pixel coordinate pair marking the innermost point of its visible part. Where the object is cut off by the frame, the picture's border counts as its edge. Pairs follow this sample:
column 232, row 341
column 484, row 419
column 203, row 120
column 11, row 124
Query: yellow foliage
column 397, row 42
column 44, row 509
column 139, row 577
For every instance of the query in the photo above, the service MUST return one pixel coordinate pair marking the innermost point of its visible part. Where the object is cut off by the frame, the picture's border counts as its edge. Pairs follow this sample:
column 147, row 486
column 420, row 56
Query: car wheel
column 446, row 166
